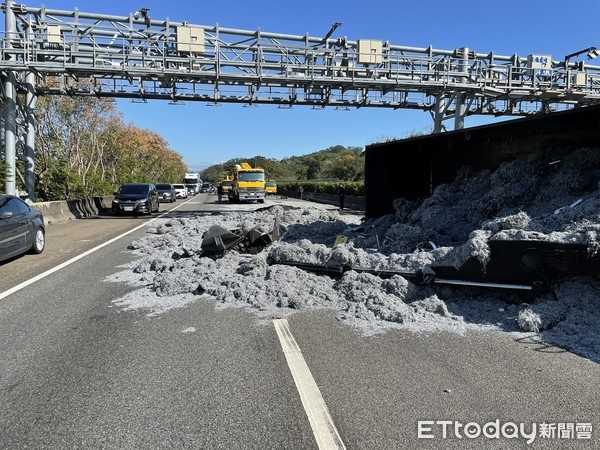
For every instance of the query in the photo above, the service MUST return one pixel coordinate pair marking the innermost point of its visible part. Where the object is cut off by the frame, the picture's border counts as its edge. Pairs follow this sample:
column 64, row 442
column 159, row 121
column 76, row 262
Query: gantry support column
column 459, row 115
column 10, row 105
column 30, row 101
column 438, row 114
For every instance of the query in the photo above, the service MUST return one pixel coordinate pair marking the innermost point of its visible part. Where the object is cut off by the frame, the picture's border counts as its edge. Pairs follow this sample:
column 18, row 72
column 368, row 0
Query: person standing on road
column 220, row 191
column 342, row 193
column 300, row 192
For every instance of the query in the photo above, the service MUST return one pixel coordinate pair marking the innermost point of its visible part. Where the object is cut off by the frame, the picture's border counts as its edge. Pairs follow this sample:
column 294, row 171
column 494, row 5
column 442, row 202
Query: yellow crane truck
column 248, row 184
column 226, row 184
column 271, row 187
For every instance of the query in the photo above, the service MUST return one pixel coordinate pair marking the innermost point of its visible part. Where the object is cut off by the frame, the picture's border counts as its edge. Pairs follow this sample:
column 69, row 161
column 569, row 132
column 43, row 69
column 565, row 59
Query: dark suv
column 136, row 198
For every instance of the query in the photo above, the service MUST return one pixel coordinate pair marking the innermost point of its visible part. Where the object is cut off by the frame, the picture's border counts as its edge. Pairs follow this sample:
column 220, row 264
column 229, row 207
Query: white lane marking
column 78, row 257
column 326, row 434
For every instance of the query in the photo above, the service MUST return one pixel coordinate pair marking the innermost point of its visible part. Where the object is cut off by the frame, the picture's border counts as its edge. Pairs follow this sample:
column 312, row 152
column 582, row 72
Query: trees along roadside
column 84, row 149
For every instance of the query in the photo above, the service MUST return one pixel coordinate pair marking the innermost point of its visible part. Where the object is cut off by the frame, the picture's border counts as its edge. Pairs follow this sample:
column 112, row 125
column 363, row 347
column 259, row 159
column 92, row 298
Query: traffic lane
column 76, row 371
column 67, row 240
column 378, row 387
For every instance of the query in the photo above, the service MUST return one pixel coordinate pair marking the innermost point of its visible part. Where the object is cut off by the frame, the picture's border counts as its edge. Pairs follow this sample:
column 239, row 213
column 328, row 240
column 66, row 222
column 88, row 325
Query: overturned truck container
column 413, row 168
column 559, row 156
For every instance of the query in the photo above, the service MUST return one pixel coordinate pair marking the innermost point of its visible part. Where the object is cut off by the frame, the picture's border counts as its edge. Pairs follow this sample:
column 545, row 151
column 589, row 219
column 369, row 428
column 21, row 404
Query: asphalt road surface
column 78, row 372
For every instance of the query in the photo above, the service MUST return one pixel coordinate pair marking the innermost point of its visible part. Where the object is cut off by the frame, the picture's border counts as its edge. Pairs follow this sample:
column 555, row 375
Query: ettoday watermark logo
column 445, row 429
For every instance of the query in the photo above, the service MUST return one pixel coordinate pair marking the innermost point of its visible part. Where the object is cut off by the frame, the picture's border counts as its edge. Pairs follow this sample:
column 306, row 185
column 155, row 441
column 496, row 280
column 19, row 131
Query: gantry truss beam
column 77, row 53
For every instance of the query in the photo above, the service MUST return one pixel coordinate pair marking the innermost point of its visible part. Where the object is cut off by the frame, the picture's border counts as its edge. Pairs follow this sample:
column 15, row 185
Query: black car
column 166, row 192
column 136, row 198
column 21, row 228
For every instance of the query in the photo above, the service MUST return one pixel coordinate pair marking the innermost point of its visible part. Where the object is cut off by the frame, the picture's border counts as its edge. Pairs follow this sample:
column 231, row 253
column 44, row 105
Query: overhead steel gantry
column 52, row 52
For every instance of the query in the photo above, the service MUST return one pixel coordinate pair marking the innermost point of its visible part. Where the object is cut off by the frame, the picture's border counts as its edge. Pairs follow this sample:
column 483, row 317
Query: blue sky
column 206, row 135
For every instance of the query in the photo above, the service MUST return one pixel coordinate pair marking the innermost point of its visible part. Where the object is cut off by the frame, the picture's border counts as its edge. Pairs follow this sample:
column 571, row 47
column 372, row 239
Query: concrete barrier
column 63, row 211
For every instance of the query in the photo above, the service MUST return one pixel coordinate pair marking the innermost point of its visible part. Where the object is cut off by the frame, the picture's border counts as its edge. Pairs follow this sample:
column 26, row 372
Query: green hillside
column 338, row 162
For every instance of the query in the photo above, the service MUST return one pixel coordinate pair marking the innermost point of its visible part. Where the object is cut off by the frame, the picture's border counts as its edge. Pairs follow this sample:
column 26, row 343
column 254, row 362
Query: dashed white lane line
column 78, row 257
column 324, row 430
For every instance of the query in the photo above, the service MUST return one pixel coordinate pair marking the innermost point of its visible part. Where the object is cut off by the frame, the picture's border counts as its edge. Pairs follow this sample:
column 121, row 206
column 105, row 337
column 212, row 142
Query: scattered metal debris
column 218, row 240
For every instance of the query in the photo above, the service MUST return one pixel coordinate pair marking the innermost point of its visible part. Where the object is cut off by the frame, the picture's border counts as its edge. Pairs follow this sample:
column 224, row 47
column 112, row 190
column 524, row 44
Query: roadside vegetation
column 356, row 188
column 85, row 149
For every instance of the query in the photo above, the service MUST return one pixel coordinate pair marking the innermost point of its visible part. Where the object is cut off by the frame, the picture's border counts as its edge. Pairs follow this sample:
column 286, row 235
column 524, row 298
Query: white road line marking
column 326, row 434
column 78, row 257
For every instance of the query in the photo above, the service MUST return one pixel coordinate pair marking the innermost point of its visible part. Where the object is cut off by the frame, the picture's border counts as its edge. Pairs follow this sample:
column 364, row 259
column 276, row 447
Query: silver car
column 166, row 192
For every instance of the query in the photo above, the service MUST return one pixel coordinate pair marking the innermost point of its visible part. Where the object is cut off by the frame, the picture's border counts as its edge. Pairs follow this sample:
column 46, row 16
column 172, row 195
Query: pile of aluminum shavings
column 554, row 199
